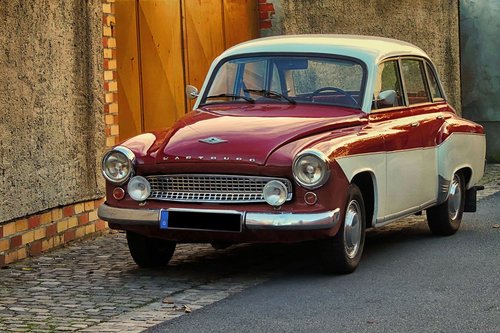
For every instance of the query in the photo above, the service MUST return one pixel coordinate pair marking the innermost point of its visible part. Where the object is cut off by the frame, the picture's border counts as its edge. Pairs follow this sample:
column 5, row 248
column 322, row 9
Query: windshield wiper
column 271, row 94
column 248, row 99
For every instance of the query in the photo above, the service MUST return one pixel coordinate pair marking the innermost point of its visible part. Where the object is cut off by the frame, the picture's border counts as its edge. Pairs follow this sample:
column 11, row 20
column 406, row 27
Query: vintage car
column 299, row 138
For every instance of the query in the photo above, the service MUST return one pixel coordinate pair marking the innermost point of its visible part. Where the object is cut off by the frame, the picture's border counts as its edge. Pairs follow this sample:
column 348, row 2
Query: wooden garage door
column 162, row 45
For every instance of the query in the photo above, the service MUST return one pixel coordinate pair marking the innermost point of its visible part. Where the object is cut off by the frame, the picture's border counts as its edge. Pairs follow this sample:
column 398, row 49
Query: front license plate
column 163, row 219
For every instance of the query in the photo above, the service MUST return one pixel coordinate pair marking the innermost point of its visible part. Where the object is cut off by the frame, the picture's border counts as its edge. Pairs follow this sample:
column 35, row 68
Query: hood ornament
column 212, row 140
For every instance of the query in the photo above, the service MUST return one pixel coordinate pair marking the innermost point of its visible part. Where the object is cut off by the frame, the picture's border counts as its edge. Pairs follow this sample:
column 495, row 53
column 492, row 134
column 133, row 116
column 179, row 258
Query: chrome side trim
column 267, row 221
column 394, row 217
column 291, row 221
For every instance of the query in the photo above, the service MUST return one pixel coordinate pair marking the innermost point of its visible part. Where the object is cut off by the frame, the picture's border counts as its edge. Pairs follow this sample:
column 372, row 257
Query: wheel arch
column 462, row 152
column 444, row 184
column 367, row 184
column 466, row 172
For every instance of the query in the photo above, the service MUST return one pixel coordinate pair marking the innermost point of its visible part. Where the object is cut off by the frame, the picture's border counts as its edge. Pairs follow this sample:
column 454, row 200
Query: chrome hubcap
column 454, row 198
column 352, row 229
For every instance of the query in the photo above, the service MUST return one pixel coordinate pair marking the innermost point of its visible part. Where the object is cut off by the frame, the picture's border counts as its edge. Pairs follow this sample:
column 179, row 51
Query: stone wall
column 433, row 25
column 51, row 104
column 479, row 30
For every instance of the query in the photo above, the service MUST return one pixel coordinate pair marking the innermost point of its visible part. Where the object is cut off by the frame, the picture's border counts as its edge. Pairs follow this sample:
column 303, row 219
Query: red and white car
column 295, row 138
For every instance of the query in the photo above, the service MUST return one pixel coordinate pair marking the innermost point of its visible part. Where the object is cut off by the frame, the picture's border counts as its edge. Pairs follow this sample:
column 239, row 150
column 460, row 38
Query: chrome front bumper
column 251, row 220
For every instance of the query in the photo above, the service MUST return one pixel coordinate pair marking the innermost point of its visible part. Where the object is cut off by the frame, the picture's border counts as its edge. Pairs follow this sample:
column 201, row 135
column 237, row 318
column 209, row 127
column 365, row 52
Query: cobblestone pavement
column 94, row 286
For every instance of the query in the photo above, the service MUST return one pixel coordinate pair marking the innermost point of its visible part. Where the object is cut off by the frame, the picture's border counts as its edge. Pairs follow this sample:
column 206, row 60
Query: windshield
column 287, row 79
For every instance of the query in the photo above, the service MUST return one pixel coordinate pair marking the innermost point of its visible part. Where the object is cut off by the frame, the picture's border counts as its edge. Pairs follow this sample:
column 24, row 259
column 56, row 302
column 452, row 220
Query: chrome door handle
column 415, row 124
column 440, row 117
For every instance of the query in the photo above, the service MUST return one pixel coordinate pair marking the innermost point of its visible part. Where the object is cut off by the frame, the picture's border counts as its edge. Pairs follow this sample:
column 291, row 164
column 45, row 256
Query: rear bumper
column 250, row 220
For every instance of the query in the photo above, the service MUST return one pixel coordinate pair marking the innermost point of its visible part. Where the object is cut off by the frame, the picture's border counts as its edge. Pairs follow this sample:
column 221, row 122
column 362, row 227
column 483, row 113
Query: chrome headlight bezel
column 127, row 156
column 322, row 162
column 138, row 188
column 270, row 197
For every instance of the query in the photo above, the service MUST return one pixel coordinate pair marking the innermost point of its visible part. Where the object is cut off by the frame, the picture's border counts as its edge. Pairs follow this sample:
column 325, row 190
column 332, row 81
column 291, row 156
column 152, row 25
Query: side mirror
column 387, row 98
column 191, row 92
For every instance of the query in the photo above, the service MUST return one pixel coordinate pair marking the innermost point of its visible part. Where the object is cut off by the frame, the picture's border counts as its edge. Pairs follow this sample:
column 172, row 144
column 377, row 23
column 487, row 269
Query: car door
column 403, row 144
column 429, row 111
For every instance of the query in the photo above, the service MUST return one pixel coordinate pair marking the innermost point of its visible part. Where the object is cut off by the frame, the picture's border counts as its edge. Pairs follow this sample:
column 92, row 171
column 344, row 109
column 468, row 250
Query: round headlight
column 310, row 169
column 117, row 165
column 139, row 188
column 275, row 193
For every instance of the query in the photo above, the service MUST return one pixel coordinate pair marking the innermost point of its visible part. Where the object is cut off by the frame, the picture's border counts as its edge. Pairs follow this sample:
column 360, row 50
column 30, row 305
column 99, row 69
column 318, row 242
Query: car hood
column 249, row 133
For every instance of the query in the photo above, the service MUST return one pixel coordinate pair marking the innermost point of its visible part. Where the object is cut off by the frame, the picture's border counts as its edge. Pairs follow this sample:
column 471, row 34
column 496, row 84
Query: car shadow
column 259, row 260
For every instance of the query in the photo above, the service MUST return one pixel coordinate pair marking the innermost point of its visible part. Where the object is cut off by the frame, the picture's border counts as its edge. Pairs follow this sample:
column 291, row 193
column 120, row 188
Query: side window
column 414, row 80
column 433, row 84
column 387, row 92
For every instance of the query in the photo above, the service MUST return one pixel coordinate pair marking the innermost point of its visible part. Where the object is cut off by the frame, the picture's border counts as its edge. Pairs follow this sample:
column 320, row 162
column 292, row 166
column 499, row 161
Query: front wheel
column 445, row 219
column 149, row 252
column 341, row 254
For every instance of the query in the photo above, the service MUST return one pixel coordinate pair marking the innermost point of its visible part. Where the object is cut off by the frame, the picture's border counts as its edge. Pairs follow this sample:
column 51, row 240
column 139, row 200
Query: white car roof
column 367, row 48
column 370, row 50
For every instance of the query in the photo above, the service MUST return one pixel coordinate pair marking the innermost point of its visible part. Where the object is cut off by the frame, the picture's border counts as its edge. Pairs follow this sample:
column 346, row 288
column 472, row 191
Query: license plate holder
column 163, row 219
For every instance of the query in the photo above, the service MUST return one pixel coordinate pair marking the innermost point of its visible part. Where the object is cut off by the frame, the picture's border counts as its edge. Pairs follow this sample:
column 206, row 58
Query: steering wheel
column 335, row 89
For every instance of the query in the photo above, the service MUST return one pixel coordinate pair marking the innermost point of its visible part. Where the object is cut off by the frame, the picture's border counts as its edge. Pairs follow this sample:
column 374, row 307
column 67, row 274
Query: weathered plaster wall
column 51, row 118
column 480, row 31
column 429, row 24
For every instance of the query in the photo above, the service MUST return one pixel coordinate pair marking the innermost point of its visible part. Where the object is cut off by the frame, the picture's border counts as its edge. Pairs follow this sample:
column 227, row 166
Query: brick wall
column 110, row 82
column 34, row 234
column 266, row 12
column 271, row 18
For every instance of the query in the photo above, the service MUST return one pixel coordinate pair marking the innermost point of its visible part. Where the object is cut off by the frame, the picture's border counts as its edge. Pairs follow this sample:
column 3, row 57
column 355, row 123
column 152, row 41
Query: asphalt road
column 408, row 281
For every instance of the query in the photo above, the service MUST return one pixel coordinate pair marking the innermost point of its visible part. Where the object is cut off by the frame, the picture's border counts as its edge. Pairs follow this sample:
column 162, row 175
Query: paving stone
column 66, row 329
column 79, row 325
column 94, row 286
column 18, row 309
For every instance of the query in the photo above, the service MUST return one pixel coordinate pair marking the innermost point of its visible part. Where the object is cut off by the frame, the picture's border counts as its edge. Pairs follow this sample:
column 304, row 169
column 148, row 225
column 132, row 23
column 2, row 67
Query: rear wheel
column 445, row 219
column 341, row 254
column 149, row 252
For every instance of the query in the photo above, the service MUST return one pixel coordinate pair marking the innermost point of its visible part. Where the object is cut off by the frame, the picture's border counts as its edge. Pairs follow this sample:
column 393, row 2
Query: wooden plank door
column 210, row 28
column 128, row 69
column 204, row 38
column 164, row 45
column 161, row 63
column 241, row 21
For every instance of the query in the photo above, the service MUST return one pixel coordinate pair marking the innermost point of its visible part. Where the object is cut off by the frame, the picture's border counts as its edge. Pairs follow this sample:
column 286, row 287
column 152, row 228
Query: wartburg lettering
column 299, row 138
column 212, row 158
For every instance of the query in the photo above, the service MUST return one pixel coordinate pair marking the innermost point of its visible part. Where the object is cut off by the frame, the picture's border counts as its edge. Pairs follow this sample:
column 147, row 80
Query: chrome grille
column 211, row 188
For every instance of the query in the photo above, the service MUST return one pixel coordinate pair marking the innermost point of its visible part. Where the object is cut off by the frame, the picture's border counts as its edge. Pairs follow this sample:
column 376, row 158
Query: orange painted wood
column 160, row 50
column 241, row 21
column 162, row 63
column 204, row 38
column 128, row 70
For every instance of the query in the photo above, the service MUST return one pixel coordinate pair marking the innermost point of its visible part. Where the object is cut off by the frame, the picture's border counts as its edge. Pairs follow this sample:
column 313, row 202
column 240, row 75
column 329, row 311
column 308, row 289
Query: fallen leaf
column 496, row 226
column 27, row 269
column 167, row 300
column 186, row 309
